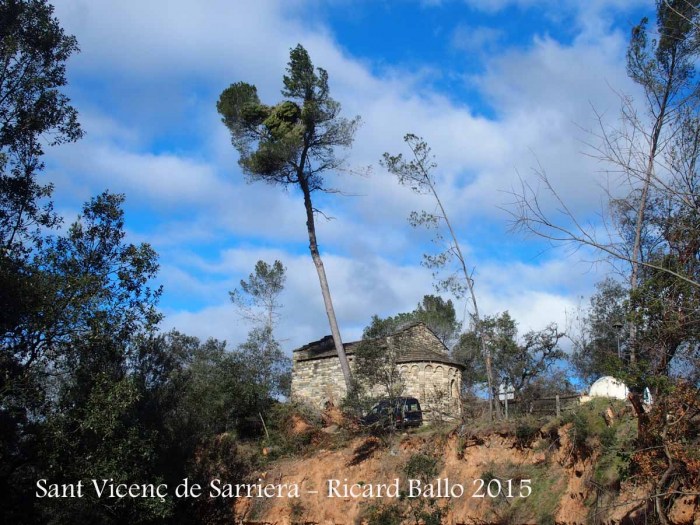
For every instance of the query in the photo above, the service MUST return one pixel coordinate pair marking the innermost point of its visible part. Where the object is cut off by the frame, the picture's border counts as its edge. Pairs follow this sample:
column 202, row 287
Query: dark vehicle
column 397, row 413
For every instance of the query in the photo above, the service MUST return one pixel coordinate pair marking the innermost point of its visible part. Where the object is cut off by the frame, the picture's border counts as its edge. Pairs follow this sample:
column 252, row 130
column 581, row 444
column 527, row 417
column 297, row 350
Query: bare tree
column 417, row 174
column 652, row 226
column 637, row 150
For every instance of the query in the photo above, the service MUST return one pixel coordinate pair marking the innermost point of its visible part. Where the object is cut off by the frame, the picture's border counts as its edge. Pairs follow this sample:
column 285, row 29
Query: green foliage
column 584, row 423
column 548, row 486
column 588, row 430
column 301, row 80
column 663, row 220
column 383, row 345
column 33, row 111
column 100, row 439
column 526, row 432
column 283, row 121
column 664, row 310
column 240, row 106
column 437, row 314
column 285, row 437
column 265, row 284
column 578, row 432
column 417, row 174
column 91, row 391
column 265, row 362
column 517, row 363
column 221, row 390
column 608, row 438
column 615, row 441
column 665, row 62
column 258, row 301
column 296, row 511
column 434, row 516
column 376, row 365
column 292, row 142
column 379, row 327
column 88, row 387
column 602, row 329
column 440, row 316
column 69, row 401
column 258, row 296
column 422, row 466
column 660, row 311
column 425, row 468
column 220, row 456
column 611, row 464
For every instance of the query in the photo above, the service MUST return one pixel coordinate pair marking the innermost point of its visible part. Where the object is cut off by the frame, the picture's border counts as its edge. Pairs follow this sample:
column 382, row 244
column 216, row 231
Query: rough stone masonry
column 427, row 370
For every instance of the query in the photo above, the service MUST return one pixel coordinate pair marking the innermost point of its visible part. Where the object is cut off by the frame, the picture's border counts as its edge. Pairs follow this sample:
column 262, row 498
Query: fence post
column 558, row 406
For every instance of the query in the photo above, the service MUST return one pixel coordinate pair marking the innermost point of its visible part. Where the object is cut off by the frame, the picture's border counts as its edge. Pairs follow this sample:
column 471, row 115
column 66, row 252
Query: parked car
column 398, row 413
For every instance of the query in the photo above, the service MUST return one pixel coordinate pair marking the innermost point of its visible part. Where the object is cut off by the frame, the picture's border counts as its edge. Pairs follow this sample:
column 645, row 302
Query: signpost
column 506, row 392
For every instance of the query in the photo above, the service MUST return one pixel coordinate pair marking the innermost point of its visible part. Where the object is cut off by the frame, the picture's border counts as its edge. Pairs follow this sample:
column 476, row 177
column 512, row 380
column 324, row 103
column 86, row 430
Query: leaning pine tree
column 292, row 144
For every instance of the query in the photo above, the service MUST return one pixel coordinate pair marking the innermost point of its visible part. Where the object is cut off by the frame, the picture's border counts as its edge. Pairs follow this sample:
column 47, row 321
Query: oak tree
column 437, row 314
column 33, row 112
column 517, row 361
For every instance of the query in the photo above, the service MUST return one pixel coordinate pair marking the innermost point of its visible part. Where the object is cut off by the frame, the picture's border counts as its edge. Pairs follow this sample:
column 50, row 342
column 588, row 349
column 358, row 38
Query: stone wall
column 319, row 381
column 416, row 340
column 435, row 385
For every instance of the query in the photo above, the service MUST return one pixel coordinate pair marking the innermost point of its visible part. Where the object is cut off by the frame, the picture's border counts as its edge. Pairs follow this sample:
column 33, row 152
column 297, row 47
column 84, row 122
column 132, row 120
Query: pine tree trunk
column 325, row 290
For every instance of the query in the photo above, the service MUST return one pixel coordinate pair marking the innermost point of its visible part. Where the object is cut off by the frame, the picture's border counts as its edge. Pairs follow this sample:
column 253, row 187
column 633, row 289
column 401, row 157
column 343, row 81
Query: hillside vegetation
column 582, row 468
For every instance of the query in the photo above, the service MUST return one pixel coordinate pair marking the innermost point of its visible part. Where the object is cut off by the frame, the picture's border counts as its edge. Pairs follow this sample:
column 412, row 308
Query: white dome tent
column 608, row 386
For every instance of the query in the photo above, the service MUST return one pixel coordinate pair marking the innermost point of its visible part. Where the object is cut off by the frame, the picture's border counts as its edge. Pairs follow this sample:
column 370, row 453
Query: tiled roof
column 419, row 351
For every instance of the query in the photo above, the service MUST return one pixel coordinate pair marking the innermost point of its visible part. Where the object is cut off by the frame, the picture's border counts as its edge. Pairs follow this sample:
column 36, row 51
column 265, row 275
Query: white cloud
column 363, row 287
column 163, row 39
column 168, row 61
column 542, row 95
column 360, row 288
column 475, row 39
column 590, row 5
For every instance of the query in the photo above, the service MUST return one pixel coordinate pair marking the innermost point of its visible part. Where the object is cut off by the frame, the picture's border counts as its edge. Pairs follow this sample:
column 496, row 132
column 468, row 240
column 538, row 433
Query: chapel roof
column 419, row 349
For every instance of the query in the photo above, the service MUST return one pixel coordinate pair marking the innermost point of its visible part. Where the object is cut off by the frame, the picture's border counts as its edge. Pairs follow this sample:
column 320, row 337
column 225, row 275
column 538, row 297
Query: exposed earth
column 568, row 479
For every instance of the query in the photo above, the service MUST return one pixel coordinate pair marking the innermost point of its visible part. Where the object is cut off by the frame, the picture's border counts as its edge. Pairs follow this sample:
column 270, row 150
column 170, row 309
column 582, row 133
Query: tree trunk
column 486, row 353
column 484, row 348
column 636, row 249
column 642, row 417
column 649, row 173
column 325, row 290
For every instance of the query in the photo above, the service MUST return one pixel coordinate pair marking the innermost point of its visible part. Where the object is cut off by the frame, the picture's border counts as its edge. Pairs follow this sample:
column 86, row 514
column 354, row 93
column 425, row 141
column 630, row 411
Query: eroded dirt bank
column 562, row 478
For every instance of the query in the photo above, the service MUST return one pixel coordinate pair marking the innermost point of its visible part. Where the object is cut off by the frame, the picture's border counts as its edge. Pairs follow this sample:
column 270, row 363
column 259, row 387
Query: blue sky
column 496, row 87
